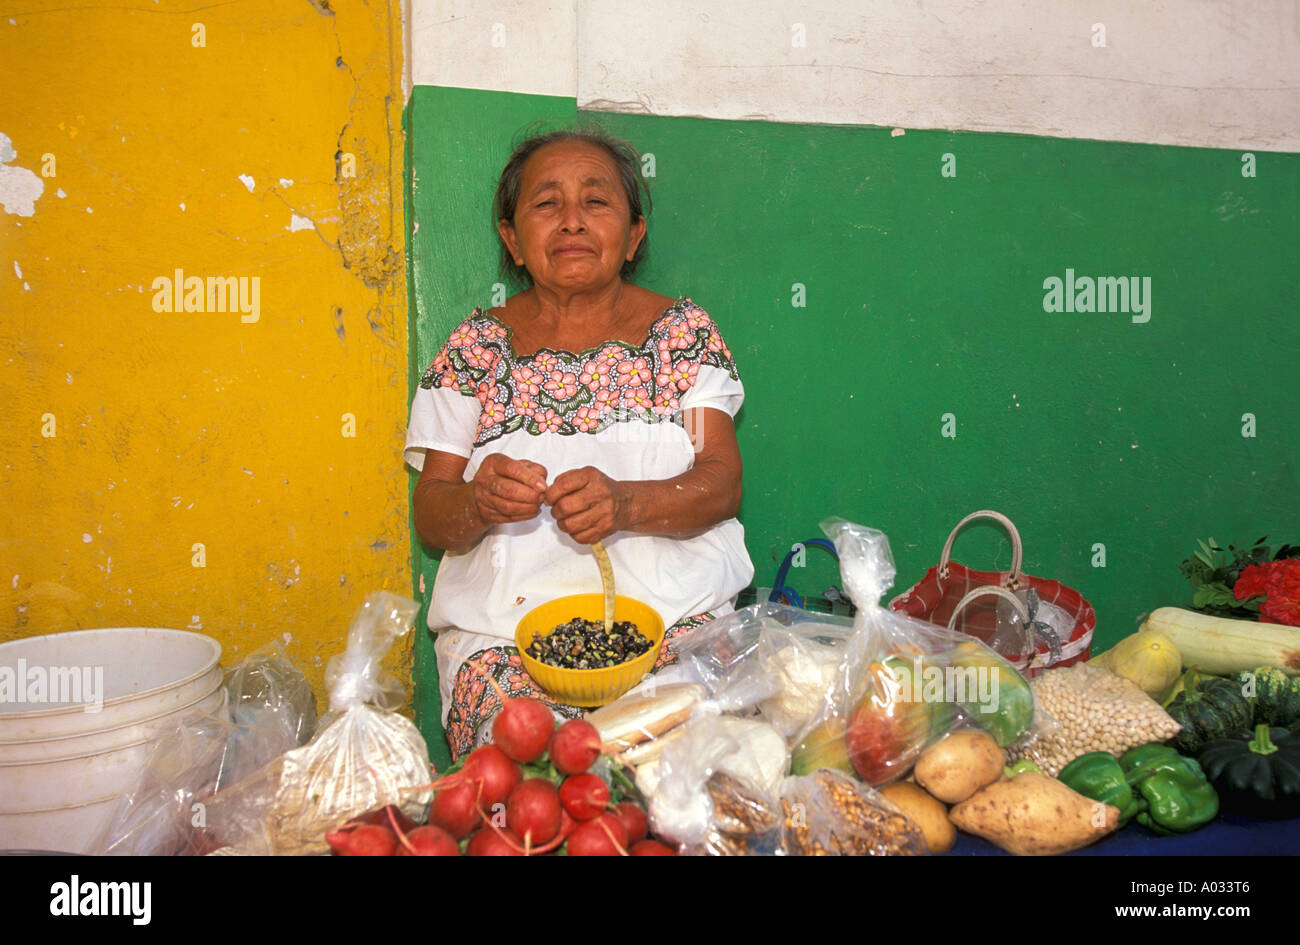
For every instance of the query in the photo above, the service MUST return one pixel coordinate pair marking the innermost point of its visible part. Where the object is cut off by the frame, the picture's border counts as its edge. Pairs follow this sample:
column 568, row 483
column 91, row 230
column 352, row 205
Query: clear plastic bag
column 830, row 814
column 269, row 710
column 715, row 793
column 772, row 657
column 268, row 694
column 363, row 756
column 902, row 683
column 164, row 814
column 1096, row 711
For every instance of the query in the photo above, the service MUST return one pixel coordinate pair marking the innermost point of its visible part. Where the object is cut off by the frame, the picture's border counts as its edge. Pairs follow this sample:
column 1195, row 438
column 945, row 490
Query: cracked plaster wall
column 239, row 471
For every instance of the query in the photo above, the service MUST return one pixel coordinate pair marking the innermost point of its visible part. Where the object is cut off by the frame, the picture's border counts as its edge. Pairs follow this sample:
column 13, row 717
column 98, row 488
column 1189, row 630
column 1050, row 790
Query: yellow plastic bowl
column 589, row 687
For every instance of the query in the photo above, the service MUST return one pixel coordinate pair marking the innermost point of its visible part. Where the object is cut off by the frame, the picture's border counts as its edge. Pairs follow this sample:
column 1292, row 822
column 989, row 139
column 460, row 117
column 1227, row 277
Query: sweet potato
column 1034, row 815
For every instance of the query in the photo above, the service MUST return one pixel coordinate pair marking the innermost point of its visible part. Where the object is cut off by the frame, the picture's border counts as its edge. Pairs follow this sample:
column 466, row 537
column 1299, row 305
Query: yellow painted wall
column 130, row 435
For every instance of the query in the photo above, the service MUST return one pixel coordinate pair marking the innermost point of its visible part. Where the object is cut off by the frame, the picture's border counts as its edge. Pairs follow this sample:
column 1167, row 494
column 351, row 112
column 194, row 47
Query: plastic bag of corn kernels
column 830, row 814
column 1095, row 710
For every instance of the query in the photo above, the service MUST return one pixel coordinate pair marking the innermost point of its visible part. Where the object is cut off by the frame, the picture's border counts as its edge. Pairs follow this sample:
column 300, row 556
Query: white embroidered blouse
column 616, row 407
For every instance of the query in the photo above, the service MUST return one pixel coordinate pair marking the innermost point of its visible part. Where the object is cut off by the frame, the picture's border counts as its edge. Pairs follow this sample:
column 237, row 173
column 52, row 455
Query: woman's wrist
column 451, row 517
column 629, row 504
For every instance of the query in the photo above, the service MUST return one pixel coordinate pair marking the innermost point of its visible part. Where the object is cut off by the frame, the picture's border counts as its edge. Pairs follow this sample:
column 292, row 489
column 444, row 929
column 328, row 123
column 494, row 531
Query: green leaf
column 1203, row 556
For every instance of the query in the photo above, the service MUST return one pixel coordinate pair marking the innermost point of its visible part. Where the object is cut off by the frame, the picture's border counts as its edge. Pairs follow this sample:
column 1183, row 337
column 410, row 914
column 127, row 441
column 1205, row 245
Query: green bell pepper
column 1097, row 775
column 1178, row 797
column 1163, row 790
column 1022, row 766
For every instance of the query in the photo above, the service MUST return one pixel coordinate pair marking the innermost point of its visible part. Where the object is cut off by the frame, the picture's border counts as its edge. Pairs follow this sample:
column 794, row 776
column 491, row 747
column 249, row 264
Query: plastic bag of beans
column 1095, row 710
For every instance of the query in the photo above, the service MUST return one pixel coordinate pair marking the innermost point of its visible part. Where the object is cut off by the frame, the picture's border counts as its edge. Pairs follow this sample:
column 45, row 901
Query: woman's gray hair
column 626, row 159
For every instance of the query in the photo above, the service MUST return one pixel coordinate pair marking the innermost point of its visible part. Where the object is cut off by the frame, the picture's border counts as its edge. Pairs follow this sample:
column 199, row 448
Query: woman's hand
column 587, row 505
column 508, row 490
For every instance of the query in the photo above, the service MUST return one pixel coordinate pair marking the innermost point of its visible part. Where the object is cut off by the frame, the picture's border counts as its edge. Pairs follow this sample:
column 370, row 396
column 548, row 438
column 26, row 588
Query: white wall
column 1214, row 74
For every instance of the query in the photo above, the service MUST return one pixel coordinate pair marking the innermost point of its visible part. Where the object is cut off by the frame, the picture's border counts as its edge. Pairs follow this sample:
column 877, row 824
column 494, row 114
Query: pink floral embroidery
column 463, row 336
column 548, row 421
column 680, row 335
column 636, row 398
column 565, row 393
column 594, row 375
column 587, row 419
column 682, row 376
column 633, row 373
column 526, row 380
column 492, row 332
column 562, row 385
column 478, row 356
column 665, row 405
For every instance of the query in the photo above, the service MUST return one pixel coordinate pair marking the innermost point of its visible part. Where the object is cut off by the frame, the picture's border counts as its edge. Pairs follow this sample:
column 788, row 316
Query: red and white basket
column 943, row 596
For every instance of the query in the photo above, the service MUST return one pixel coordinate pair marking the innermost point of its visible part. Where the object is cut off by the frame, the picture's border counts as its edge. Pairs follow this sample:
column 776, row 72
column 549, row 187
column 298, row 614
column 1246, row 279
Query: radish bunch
column 529, row 793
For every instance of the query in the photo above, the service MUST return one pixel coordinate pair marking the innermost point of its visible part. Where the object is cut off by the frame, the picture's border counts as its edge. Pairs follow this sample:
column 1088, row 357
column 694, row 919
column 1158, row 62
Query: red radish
column 487, row 842
column 651, row 848
column 600, row 836
column 523, row 728
column 366, row 840
column 489, row 766
column 575, row 746
column 533, row 811
column 584, row 796
column 381, row 817
column 567, row 824
column 633, row 820
column 455, row 809
column 428, row 841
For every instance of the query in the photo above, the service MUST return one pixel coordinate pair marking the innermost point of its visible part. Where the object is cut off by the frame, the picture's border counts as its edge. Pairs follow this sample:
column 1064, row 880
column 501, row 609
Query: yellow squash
column 1148, row 658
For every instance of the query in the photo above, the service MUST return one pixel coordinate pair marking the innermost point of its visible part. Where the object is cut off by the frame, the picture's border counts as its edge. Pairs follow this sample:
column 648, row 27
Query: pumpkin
column 1277, row 696
column 1256, row 773
column 1147, row 658
column 1214, row 709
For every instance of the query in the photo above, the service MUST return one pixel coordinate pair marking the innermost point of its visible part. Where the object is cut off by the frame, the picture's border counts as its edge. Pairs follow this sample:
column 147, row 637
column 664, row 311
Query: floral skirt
column 475, row 702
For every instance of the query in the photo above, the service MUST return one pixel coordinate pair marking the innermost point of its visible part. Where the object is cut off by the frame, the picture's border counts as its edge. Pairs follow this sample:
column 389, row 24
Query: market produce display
column 788, row 733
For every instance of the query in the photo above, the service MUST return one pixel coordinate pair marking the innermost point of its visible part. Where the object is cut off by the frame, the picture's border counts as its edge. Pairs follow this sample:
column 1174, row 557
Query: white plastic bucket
column 63, row 768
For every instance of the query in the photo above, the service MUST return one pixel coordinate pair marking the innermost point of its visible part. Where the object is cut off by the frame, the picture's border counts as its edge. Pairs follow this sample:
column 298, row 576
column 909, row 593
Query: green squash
column 1216, row 708
column 1256, row 773
column 1277, row 695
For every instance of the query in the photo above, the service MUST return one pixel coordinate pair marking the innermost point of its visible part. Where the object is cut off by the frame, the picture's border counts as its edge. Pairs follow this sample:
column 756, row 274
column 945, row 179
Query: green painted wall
column 924, row 296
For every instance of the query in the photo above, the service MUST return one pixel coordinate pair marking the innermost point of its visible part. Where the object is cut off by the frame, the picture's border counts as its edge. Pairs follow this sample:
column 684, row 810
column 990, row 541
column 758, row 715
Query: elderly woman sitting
column 585, row 409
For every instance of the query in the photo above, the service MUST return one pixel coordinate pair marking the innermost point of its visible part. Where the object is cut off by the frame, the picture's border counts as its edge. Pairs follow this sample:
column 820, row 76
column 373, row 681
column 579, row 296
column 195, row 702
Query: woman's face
column 571, row 228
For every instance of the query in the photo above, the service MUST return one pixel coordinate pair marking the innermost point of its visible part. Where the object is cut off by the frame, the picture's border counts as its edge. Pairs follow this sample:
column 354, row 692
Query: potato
column 1034, row 815
column 960, row 764
column 924, row 811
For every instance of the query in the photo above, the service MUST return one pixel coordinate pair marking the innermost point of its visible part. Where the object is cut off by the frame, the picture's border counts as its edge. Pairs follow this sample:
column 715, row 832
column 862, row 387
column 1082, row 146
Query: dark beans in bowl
column 584, row 644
